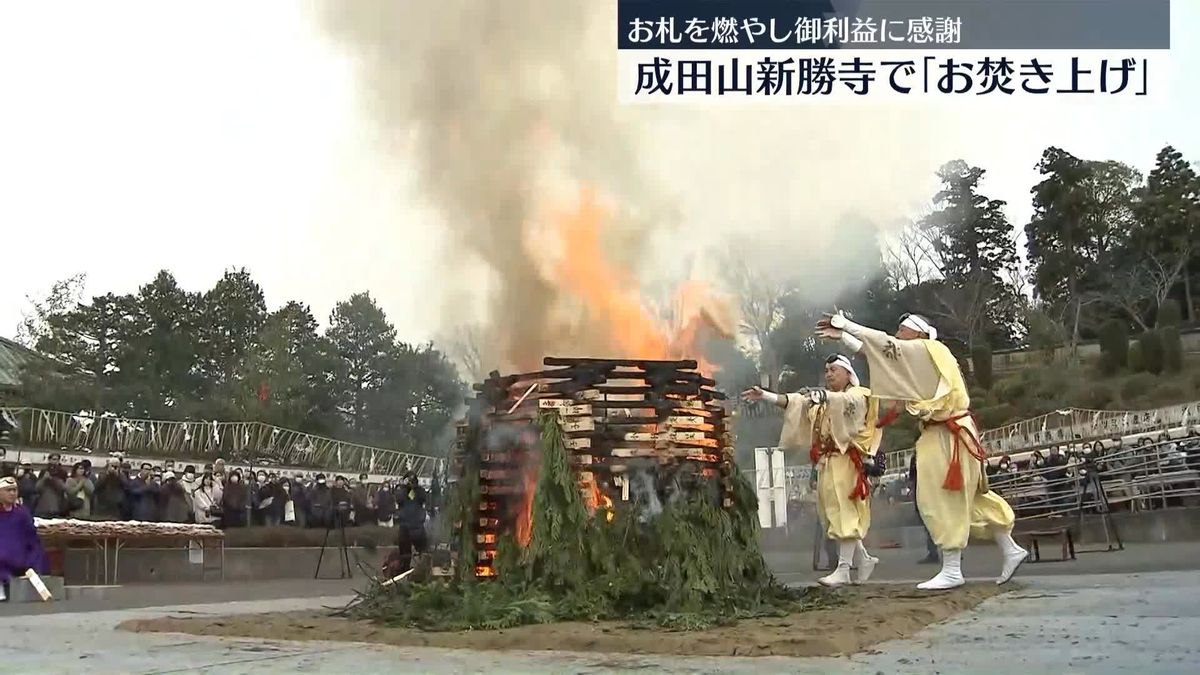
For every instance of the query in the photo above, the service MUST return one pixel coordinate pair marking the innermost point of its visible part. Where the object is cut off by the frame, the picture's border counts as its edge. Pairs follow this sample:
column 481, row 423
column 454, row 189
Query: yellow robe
column 846, row 422
column 925, row 375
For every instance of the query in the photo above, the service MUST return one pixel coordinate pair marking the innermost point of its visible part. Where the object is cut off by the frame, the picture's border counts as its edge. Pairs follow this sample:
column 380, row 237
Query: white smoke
column 471, row 93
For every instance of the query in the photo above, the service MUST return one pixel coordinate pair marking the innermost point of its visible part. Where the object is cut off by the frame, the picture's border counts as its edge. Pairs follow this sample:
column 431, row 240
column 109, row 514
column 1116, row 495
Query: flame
column 618, row 319
column 594, row 498
column 524, row 522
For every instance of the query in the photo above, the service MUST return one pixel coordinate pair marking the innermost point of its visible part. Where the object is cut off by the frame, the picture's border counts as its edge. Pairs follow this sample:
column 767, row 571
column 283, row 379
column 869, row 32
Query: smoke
column 643, row 492
column 503, row 106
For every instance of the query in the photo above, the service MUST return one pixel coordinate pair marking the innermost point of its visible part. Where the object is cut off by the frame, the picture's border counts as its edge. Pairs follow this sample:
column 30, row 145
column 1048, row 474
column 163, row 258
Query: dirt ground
column 871, row 615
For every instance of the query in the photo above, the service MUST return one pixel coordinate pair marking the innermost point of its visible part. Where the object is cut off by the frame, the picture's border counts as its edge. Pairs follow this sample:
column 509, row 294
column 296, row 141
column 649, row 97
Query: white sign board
column 772, row 487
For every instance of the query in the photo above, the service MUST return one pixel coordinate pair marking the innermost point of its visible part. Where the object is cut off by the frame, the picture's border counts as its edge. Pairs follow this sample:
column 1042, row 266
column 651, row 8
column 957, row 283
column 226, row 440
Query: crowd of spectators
column 214, row 495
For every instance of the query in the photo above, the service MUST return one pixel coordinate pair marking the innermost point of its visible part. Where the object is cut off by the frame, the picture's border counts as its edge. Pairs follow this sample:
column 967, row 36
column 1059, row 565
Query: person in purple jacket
column 20, row 548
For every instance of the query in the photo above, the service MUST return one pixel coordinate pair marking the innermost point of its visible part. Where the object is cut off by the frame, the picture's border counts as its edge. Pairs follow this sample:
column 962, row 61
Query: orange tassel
column 954, row 479
column 862, row 488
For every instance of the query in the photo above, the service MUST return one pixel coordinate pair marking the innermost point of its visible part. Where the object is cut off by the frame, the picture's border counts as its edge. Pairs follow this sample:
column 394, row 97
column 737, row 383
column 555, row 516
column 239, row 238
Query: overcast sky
column 136, row 136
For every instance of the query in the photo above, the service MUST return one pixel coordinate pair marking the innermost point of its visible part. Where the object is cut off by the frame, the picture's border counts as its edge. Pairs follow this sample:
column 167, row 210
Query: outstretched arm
column 900, row 369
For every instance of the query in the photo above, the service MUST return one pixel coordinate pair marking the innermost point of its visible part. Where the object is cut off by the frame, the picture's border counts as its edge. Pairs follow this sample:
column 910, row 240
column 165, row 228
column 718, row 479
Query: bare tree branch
column 465, row 348
column 760, row 297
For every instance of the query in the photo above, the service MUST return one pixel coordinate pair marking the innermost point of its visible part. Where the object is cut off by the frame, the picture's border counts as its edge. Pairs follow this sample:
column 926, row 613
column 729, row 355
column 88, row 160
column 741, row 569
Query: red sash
column 962, row 436
column 862, row 488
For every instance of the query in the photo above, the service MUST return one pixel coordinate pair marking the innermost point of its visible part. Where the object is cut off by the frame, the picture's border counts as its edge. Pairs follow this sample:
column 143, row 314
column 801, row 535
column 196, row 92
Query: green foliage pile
column 693, row 566
column 1114, row 346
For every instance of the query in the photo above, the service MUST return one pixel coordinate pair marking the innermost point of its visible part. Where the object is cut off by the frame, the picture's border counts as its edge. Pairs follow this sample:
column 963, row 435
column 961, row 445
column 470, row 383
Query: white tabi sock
column 841, row 575
column 950, row 576
column 866, row 563
column 1012, row 553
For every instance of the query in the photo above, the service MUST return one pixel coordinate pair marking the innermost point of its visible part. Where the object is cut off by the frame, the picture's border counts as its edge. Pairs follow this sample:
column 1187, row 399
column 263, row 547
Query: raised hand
column 827, row 325
column 753, row 394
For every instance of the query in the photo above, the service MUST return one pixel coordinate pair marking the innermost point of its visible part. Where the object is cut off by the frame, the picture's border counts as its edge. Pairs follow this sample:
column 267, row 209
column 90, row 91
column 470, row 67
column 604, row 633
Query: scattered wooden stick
column 523, row 397
column 398, row 577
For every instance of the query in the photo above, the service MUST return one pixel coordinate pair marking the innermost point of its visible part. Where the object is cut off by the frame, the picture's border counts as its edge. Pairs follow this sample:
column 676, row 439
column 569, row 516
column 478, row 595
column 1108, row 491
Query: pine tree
column 232, row 316
column 164, row 341
column 1169, row 216
column 974, row 240
column 286, row 378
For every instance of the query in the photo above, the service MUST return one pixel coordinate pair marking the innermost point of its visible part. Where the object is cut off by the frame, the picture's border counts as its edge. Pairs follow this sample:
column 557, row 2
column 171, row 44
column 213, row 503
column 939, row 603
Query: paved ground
column 134, row 596
column 1068, row 617
column 984, row 561
column 1093, row 623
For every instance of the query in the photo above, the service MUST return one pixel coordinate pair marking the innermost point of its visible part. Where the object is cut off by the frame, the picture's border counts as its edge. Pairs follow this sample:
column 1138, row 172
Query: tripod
column 337, row 520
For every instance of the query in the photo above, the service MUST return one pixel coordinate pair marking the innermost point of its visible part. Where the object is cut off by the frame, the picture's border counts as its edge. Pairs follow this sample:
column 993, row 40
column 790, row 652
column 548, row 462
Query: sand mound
column 871, row 615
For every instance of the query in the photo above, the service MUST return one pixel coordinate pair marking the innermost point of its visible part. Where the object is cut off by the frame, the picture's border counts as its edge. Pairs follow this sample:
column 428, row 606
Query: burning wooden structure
column 635, row 431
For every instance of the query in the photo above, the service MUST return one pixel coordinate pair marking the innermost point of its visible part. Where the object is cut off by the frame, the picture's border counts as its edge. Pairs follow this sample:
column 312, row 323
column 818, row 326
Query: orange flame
column 524, row 525
column 594, row 498
column 618, row 320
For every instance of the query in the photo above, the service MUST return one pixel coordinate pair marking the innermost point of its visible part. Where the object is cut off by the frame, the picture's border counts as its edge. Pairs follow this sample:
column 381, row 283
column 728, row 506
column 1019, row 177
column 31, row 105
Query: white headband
column 844, row 362
column 920, row 325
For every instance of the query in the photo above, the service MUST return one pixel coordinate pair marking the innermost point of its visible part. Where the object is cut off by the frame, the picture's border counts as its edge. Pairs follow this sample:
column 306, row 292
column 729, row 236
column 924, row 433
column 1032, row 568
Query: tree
column 911, row 257
column 1169, row 220
column 981, row 362
column 164, row 376
column 414, row 408
column 954, row 262
column 64, row 296
column 364, row 341
column 970, row 231
column 90, row 341
column 1114, row 346
column 1141, row 281
column 1082, row 210
column 761, row 295
column 232, row 316
column 465, row 346
column 1150, row 346
column 286, row 379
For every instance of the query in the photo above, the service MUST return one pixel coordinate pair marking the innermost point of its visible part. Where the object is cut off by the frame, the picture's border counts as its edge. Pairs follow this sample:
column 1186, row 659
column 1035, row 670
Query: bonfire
column 594, row 489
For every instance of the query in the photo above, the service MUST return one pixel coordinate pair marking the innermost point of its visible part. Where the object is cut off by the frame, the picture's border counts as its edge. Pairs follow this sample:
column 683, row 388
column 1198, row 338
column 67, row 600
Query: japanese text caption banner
column 806, row 50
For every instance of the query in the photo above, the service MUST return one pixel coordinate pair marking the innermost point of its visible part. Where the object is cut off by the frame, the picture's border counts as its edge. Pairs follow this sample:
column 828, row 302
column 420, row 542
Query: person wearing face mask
column 298, row 493
column 320, row 503
column 188, row 481
column 234, row 500
column 360, row 496
column 206, row 503
column 79, row 490
column 287, row 505
column 385, row 504
column 271, row 500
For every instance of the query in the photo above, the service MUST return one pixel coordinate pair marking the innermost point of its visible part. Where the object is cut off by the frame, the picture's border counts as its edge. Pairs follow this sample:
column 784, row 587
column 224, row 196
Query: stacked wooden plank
column 618, row 416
